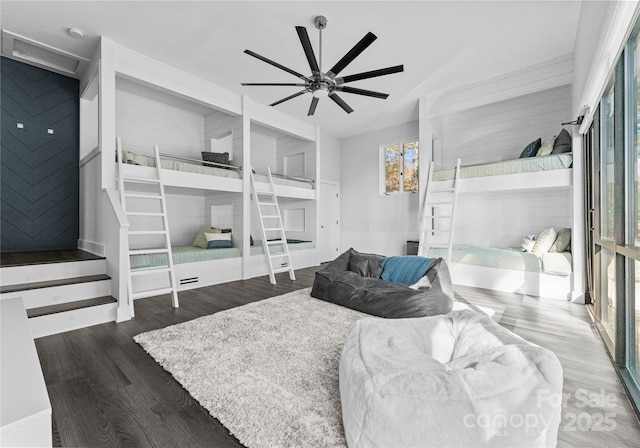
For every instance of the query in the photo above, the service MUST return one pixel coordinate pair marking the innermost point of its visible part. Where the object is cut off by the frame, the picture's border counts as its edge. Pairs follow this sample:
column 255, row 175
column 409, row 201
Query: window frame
column 383, row 171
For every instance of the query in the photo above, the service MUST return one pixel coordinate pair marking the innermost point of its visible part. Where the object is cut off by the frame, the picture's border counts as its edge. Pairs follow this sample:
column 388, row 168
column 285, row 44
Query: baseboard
column 91, row 247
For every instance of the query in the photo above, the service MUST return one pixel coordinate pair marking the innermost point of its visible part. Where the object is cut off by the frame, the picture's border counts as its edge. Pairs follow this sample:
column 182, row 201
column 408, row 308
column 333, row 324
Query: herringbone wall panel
column 40, row 150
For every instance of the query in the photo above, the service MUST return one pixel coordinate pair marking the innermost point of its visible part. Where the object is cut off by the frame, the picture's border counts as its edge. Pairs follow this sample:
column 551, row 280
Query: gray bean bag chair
column 356, row 280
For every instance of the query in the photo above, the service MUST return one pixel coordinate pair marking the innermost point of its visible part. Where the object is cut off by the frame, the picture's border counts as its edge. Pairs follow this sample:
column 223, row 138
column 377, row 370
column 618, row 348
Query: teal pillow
column 406, row 270
column 219, row 244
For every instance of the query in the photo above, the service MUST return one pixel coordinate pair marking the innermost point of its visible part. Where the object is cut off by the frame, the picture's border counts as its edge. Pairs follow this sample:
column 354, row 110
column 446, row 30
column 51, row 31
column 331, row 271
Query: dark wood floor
column 107, row 392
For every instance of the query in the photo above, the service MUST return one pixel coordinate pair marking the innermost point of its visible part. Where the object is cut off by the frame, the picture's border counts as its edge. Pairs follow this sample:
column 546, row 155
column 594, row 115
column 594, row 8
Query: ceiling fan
column 327, row 84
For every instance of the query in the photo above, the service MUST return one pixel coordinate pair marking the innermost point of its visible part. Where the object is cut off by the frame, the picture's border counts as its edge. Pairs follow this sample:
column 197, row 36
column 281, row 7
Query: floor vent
column 186, row 281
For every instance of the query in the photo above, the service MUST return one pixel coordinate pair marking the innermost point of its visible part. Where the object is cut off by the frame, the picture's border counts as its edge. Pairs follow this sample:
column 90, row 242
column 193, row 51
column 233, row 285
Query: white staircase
column 61, row 296
column 438, row 214
column 276, row 249
column 144, row 199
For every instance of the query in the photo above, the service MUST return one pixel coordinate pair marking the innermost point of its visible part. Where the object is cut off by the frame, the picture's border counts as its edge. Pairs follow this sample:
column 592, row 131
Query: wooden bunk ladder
column 271, row 223
column 148, row 201
column 438, row 214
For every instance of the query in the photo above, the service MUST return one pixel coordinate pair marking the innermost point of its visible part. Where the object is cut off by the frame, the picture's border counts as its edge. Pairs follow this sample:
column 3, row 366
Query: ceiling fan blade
column 275, row 64
column 358, row 48
column 272, row 84
column 312, row 108
column 347, row 89
column 308, row 49
column 371, row 74
column 288, row 98
column 340, row 102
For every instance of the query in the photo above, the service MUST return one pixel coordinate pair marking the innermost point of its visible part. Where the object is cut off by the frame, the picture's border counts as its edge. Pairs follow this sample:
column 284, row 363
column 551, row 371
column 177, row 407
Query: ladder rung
column 439, row 216
column 142, row 195
column 437, row 246
column 148, row 251
column 271, row 216
column 275, row 242
column 273, row 229
column 265, row 192
column 141, row 180
column 154, row 270
column 266, row 203
column 151, row 292
column 443, row 202
column 282, row 269
column 147, row 232
column 145, row 214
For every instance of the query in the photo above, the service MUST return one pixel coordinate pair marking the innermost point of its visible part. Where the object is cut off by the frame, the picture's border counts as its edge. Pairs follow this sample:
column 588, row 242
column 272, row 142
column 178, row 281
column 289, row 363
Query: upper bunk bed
column 488, row 123
column 179, row 171
column 207, row 148
column 549, row 171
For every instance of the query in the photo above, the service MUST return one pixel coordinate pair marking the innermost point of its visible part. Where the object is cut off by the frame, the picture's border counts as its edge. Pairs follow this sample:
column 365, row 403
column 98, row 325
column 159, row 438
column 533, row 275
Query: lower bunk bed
column 196, row 267
column 549, row 274
column 303, row 255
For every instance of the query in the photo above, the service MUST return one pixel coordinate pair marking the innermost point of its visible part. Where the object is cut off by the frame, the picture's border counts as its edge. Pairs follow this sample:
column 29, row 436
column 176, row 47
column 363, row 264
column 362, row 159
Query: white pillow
column 217, row 236
column 545, row 240
column 545, row 149
column 527, row 243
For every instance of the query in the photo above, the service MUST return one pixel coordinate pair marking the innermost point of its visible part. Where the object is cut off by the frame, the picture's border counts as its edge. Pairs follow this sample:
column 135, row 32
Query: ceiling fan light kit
column 326, row 84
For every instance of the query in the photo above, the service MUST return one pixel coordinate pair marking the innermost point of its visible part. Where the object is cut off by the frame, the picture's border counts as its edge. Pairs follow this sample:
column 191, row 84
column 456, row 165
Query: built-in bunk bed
column 295, row 158
column 203, row 151
column 514, row 185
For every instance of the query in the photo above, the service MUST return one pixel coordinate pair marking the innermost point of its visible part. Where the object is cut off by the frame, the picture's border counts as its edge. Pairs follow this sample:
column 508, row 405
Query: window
column 400, row 167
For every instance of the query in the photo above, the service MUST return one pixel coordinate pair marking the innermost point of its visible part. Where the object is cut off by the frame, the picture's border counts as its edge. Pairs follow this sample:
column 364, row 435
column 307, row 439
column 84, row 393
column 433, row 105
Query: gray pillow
column 562, row 143
column 215, row 157
column 562, row 241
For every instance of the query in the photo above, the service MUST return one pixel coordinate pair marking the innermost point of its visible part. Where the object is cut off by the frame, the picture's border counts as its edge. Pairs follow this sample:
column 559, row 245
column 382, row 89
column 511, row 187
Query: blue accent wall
column 39, row 207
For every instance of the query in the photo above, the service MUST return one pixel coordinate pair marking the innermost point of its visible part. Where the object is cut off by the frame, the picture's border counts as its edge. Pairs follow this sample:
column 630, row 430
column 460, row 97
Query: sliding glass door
column 612, row 148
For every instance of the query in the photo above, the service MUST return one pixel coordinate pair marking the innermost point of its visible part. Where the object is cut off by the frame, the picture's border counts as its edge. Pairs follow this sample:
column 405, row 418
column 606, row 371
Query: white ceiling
column 442, row 44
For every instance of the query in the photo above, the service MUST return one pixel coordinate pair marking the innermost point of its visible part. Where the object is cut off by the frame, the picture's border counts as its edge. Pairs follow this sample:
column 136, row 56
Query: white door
column 329, row 218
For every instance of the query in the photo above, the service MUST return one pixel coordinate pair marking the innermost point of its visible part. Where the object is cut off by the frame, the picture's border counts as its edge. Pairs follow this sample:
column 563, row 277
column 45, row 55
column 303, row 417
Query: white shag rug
column 268, row 371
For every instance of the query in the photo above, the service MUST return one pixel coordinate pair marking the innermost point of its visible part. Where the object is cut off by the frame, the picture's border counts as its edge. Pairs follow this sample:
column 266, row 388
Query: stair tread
column 70, row 306
column 10, row 259
column 52, row 283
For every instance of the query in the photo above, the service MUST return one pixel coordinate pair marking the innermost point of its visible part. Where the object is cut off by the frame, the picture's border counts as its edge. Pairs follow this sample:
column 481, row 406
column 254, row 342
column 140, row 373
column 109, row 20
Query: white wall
column 263, row 149
column 500, row 131
column 142, row 122
column 330, row 157
column 501, row 219
column 371, row 221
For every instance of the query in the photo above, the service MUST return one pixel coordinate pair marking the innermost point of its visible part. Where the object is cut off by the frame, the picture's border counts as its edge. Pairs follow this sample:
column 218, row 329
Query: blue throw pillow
column 219, row 244
column 531, row 149
column 406, row 270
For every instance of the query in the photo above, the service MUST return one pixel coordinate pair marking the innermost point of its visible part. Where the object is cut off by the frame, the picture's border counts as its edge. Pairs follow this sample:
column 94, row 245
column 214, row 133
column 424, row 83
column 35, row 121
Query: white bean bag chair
column 454, row 380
